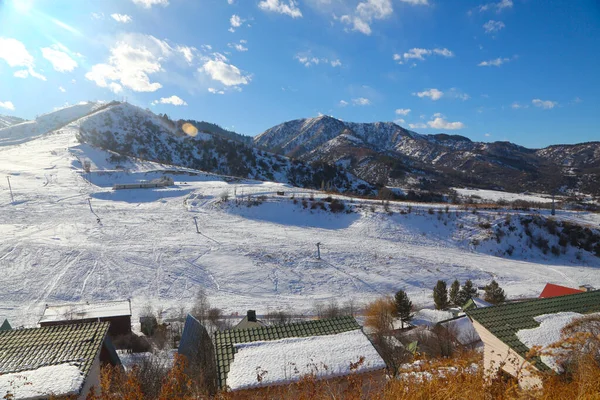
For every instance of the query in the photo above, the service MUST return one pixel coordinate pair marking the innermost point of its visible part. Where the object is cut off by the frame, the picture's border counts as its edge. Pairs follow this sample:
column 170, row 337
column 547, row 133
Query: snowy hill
column 128, row 130
column 386, row 153
column 7, row 120
column 25, row 131
column 256, row 247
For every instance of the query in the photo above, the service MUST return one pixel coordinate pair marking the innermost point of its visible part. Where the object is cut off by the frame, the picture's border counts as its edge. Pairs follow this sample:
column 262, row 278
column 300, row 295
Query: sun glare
column 22, row 6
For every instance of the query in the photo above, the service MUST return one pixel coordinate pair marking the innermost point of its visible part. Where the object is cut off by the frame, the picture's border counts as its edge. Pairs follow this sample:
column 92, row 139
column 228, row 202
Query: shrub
column 555, row 250
column 336, row 206
column 430, row 211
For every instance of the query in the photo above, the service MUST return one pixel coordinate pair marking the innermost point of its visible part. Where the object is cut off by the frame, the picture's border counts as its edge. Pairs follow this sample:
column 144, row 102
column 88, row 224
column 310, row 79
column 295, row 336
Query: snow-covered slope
column 7, row 120
column 25, row 131
column 252, row 252
column 130, row 131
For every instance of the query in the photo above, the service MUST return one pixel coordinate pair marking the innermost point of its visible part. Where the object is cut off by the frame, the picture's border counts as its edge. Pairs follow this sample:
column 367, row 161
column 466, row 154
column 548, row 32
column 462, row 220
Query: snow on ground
column 495, row 195
column 68, row 237
column 548, row 333
column 287, row 360
column 60, row 380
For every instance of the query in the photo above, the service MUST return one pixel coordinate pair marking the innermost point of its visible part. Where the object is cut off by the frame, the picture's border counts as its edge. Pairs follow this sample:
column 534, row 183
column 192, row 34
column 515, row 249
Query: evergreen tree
column 403, row 306
column 466, row 292
column 494, row 293
column 440, row 295
column 454, row 289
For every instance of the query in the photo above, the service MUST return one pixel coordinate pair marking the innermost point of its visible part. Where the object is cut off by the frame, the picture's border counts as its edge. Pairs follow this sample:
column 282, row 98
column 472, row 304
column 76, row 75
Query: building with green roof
column 499, row 328
column 55, row 360
column 272, row 355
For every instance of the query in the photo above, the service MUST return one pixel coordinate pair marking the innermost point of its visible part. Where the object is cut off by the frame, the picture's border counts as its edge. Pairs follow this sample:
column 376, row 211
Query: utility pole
column 318, row 250
column 196, row 222
column 12, row 199
column 553, row 206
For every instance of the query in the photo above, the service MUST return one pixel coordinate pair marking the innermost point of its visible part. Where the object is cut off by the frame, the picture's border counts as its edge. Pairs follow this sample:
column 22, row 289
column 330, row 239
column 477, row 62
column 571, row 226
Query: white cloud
column 215, row 91
column 309, row 60
column 281, row 7
column 517, row 105
column 494, row 63
column 343, row 103
column 493, row 26
column 361, row 101
column 545, row 104
column 124, row 18
column 60, row 60
column 174, row 100
column 367, row 11
column 150, row 3
column 230, row 2
column 131, row 63
column 418, row 125
column 399, row 121
column 434, row 94
column 187, row 52
column 219, row 70
column 440, row 123
column 457, row 94
column 22, row 73
column 62, row 89
column 97, row 15
column 238, row 46
column 235, row 21
column 8, row 105
column 499, row 6
column 420, row 54
column 487, row 134
column 416, row 2
column 402, row 111
column 16, row 55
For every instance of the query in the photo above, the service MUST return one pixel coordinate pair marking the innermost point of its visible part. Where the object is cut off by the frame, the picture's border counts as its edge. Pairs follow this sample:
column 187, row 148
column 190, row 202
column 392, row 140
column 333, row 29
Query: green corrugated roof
column 505, row 320
column 225, row 340
column 29, row 349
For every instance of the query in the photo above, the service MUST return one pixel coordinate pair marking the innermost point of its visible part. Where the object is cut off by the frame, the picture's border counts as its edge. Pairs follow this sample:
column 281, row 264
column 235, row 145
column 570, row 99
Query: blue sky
column 526, row 71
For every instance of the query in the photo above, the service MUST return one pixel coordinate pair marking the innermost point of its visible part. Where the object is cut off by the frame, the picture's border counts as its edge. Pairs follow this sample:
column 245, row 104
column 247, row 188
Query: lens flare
column 189, row 129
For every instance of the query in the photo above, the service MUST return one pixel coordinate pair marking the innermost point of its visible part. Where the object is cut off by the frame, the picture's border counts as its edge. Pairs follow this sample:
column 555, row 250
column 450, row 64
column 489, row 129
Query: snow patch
column 58, row 380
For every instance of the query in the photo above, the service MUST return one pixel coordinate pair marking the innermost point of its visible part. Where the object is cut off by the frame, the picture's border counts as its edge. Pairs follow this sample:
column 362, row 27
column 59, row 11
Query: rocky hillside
column 387, row 154
column 129, row 131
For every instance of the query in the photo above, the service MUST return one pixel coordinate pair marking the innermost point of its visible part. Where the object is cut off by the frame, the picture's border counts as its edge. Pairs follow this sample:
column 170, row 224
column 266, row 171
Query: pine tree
column 454, row 289
column 494, row 293
column 466, row 292
column 440, row 295
column 403, row 306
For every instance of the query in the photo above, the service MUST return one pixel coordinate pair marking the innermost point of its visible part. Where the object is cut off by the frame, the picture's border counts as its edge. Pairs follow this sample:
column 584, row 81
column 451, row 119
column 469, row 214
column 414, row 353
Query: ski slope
column 69, row 237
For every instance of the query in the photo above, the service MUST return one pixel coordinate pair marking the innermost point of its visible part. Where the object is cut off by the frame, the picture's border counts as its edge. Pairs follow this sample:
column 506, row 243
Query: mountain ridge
column 388, row 154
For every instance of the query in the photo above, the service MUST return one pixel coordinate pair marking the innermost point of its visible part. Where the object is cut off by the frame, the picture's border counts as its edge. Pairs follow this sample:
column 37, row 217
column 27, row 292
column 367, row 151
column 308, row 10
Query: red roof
column 552, row 290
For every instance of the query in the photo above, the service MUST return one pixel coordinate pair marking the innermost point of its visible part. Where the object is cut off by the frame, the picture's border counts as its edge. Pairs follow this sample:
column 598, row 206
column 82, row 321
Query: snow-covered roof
column 548, row 333
column 462, row 329
column 59, row 380
column 287, row 360
column 428, row 317
column 77, row 311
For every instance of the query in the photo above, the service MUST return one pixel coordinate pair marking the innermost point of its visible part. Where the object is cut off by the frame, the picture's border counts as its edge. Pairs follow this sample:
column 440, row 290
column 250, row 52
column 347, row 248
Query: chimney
column 251, row 316
column 586, row 288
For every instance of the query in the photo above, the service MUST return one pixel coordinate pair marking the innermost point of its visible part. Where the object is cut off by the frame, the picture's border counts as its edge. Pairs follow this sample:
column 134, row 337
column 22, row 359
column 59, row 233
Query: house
column 56, row 361
column 475, row 302
column 197, row 347
column 249, row 321
column 507, row 331
column 118, row 313
column 461, row 330
column 265, row 356
column 552, row 290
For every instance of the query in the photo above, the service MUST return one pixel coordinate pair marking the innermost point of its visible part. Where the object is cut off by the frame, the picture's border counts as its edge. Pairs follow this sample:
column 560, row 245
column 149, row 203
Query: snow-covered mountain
column 24, row 131
column 385, row 153
column 127, row 130
column 8, row 120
